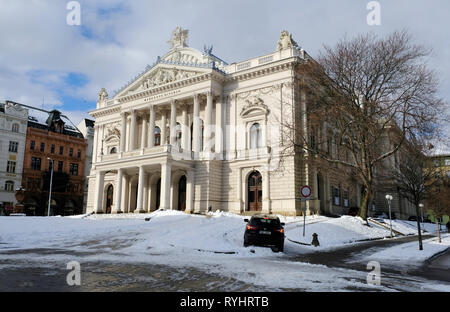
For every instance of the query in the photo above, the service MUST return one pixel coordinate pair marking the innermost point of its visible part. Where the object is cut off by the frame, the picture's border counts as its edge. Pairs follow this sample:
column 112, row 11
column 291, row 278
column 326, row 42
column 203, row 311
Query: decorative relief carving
column 254, row 103
column 163, row 76
column 258, row 92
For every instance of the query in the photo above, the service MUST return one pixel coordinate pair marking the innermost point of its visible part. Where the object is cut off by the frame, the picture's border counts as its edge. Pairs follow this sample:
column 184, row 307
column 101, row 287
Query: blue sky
column 41, row 57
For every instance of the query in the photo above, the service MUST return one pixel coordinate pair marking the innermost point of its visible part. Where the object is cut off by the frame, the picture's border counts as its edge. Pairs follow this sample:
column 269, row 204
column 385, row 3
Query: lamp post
column 389, row 198
column 421, row 211
column 50, row 192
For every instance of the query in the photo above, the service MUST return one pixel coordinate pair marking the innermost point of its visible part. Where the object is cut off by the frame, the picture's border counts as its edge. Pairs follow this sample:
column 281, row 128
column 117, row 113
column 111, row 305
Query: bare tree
column 438, row 199
column 365, row 97
column 413, row 177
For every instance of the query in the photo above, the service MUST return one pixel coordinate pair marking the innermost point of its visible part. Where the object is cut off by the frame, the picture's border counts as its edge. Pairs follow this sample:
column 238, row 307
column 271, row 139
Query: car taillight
column 280, row 230
column 249, row 227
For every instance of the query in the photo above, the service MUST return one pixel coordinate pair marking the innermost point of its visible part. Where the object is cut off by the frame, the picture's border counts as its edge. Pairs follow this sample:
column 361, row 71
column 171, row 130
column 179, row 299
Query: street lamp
column 50, row 192
column 389, row 198
column 421, row 211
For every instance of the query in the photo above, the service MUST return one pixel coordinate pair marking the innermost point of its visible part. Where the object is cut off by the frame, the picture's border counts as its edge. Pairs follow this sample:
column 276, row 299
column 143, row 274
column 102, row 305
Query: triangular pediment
column 178, row 64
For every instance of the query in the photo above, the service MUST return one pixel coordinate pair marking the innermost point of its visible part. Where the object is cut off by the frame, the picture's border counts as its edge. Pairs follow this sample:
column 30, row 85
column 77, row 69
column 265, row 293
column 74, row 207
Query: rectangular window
column 76, row 188
column 337, row 196
column 447, row 161
column 74, row 169
column 345, row 196
column 71, row 152
column 79, row 154
column 11, row 167
column 13, row 146
column 29, row 184
column 32, row 144
column 61, row 150
column 9, row 186
column 42, row 147
column 52, row 149
column 35, row 163
column 60, row 166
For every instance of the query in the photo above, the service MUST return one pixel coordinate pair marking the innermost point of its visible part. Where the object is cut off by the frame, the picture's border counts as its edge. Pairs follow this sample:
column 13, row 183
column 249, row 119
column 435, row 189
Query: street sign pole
column 306, row 194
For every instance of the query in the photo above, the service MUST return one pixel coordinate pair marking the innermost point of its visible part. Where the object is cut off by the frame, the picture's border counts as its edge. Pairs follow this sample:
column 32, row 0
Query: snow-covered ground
column 213, row 244
column 410, row 253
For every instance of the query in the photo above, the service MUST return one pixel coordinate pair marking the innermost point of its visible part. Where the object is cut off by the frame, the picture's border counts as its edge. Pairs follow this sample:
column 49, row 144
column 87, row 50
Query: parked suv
column 264, row 230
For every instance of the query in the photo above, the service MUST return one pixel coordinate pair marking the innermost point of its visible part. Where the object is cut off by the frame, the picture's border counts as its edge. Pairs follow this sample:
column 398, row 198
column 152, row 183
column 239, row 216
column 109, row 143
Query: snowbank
column 409, row 252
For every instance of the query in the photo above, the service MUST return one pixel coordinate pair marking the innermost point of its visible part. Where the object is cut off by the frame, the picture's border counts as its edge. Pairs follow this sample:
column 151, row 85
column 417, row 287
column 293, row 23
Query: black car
column 264, row 230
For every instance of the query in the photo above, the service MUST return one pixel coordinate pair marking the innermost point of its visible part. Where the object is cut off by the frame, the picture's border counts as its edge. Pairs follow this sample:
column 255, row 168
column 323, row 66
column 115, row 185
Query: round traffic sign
column 306, row 191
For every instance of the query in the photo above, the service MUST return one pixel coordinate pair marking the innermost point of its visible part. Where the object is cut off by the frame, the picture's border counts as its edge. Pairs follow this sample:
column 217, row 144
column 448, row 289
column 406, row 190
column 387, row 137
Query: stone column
column 166, row 171
column 118, row 192
column 140, row 191
column 99, row 183
column 123, row 132
column 239, row 190
column 163, row 127
column 185, row 137
column 196, row 125
column 94, row 149
column 133, row 131
column 125, row 193
column 219, row 127
column 151, row 141
column 144, row 132
column 266, row 192
column 190, row 185
column 173, row 123
column 208, row 122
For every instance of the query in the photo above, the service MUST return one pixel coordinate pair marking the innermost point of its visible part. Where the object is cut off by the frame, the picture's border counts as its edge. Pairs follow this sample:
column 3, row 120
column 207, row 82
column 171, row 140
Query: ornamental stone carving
column 286, row 41
column 179, row 37
column 254, row 103
column 103, row 95
column 163, row 76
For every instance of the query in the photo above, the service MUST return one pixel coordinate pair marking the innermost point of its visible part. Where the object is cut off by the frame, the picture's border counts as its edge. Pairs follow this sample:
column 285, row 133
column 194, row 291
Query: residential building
column 53, row 141
column 86, row 127
column 13, row 129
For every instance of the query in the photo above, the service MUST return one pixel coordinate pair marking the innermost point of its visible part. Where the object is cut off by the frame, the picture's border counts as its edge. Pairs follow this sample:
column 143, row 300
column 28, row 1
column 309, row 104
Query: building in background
column 13, row 129
column 52, row 136
column 86, row 127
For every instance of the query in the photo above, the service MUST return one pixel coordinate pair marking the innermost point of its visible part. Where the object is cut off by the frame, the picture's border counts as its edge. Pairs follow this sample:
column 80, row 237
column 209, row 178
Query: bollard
column 315, row 241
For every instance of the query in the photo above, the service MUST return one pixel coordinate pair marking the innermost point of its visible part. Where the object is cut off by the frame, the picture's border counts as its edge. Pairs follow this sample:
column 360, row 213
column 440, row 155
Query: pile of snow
column 336, row 232
column 410, row 251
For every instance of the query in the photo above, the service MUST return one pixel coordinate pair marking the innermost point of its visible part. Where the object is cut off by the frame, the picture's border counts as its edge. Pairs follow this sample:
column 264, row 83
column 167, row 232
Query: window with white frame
column 15, row 127
column 9, row 186
column 13, row 146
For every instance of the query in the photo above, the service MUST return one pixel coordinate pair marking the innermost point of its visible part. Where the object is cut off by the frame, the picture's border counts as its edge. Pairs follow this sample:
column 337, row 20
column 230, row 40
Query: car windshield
column 271, row 223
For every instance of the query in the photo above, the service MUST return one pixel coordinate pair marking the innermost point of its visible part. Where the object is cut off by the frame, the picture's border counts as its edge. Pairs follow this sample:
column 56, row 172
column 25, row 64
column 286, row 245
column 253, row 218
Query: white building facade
column 13, row 129
column 194, row 133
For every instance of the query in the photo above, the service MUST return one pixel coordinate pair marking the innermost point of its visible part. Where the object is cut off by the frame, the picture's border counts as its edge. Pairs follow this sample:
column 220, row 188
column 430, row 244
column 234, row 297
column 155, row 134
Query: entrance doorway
column 255, row 192
column 182, row 194
column 109, row 198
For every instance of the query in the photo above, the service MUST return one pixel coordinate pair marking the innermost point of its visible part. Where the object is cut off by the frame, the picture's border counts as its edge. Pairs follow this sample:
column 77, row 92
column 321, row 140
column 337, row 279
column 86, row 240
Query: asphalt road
column 20, row 271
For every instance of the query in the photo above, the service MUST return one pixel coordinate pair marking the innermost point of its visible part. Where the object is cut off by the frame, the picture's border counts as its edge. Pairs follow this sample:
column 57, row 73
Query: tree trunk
column 365, row 204
column 418, row 226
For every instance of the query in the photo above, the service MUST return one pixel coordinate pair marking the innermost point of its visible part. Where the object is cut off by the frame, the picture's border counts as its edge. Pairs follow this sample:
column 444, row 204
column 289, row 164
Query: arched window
column 15, row 127
column 255, row 136
column 157, row 136
column 9, row 186
column 113, row 150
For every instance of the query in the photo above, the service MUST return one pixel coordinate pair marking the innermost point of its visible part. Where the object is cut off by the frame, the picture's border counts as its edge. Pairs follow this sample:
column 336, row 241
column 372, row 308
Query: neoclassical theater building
column 195, row 133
